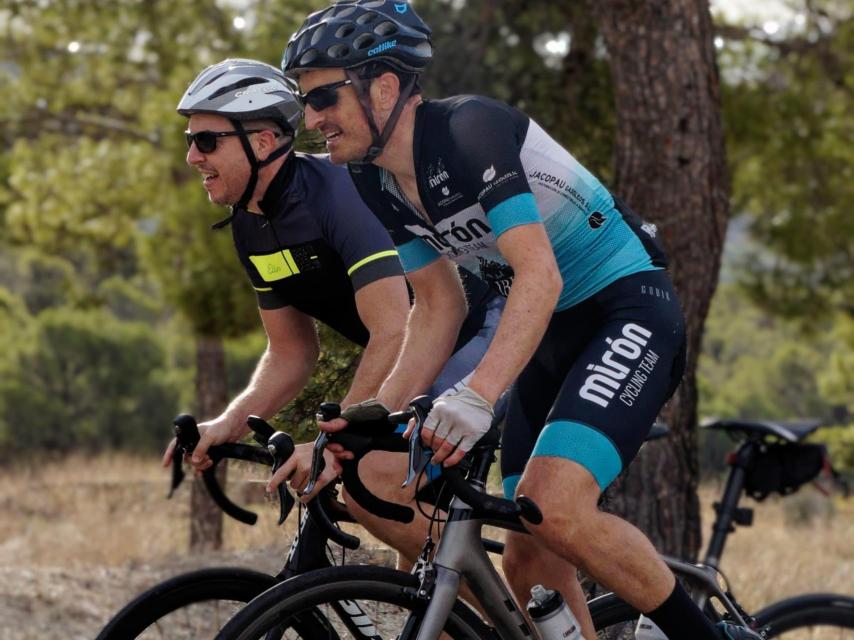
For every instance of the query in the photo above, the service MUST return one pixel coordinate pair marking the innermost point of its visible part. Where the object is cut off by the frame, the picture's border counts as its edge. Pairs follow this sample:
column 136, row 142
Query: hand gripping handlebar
column 360, row 439
column 187, row 436
column 483, row 504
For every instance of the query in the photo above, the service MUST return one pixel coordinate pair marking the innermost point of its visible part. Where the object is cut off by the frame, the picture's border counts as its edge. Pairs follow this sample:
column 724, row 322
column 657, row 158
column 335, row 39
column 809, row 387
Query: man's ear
column 384, row 91
column 265, row 143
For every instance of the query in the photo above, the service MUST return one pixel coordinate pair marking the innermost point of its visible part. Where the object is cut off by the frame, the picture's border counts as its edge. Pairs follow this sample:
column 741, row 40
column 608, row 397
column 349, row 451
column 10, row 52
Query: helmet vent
column 385, row 28
column 364, row 41
column 346, row 11
column 367, row 17
column 424, row 50
column 318, row 34
column 338, row 51
column 344, row 31
column 245, row 82
column 373, row 5
column 308, row 57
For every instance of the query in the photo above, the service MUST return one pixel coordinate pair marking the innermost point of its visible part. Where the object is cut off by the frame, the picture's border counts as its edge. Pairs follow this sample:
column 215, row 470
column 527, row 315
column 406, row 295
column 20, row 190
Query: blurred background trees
column 119, row 306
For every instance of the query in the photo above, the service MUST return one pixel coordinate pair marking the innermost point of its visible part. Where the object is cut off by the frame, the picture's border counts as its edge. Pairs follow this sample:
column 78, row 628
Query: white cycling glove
column 461, row 418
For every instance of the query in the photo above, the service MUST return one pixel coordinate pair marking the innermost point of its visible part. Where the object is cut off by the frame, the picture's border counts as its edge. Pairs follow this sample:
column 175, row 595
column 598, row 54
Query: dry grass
column 799, row 544
column 71, row 531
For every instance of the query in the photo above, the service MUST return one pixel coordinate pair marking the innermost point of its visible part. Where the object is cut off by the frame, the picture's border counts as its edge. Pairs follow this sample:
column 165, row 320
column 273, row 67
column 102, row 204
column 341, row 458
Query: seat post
column 726, row 511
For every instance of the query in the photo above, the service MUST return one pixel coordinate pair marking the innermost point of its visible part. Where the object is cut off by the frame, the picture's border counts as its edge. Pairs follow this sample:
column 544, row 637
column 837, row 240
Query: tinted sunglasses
column 206, row 140
column 322, row 97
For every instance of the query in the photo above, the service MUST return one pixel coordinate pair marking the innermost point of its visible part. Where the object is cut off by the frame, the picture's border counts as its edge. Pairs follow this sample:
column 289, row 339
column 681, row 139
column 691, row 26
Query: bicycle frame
column 460, row 554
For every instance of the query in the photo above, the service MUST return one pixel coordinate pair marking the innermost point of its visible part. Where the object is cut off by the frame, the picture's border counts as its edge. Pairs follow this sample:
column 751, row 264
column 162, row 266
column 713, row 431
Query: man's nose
column 194, row 156
column 312, row 118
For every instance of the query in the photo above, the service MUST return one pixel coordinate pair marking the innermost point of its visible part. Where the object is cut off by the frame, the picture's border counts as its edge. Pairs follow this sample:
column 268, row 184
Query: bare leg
column 607, row 548
column 382, row 473
column 526, row 564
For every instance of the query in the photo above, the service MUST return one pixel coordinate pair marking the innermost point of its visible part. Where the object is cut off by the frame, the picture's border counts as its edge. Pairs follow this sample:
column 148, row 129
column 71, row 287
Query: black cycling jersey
column 317, row 243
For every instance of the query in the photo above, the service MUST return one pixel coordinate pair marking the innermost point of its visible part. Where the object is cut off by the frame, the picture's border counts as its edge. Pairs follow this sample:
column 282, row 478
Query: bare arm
column 383, row 306
column 283, row 370
column 431, row 332
column 536, row 286
column 458, row 421
column 281, row 373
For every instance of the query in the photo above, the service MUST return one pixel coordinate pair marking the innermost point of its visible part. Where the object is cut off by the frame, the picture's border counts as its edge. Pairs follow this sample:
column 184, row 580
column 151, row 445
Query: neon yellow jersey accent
column 262, row 289
column 275, row 266
column 371, row 258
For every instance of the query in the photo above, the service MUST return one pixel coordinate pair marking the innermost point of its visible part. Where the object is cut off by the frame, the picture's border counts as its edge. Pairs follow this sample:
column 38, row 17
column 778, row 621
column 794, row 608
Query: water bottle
column 552, row 615
column 648, row 630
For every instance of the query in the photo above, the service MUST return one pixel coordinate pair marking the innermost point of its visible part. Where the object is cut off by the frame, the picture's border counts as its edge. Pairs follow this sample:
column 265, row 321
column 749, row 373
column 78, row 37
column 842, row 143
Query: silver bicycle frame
column 460, row 554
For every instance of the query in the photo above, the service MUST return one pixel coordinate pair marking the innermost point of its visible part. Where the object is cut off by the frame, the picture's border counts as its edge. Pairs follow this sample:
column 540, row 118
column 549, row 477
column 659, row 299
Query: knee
column 567, row 496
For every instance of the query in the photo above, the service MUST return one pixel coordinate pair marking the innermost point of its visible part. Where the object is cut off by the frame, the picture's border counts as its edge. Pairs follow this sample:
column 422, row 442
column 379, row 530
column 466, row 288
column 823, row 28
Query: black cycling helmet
column 352, row 33
column 242, row 90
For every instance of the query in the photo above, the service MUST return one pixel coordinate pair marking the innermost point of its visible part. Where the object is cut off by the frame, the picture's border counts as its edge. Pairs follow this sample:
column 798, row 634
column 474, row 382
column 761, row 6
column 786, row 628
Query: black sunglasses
column 322, row 97
column 206, row 140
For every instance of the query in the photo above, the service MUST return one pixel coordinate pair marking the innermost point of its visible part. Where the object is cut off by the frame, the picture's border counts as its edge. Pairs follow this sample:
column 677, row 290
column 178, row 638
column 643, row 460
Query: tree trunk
column 670, row 168
column 211, row 399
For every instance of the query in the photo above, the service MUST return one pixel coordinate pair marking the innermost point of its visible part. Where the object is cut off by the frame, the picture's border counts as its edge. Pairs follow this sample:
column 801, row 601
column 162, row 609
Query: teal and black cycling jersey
column 482, row 168
column 613, row 351
column 317, row 244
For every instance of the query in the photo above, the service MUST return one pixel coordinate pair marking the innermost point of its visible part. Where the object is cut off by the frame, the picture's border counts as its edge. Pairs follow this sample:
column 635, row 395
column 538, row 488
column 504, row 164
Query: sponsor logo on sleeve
column 596, row 220
column 650, row 229
column 489, row 174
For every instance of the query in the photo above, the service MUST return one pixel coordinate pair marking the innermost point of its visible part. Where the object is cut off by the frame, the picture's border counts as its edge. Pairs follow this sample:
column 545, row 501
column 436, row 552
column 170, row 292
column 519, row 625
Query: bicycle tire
column 811, row 613
column 150, row 615
column 385, row 599
column 826, row 610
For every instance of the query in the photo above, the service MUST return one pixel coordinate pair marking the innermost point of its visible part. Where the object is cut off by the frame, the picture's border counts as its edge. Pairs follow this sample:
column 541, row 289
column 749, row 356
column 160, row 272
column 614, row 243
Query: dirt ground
column 81, row 539
column 53, row 603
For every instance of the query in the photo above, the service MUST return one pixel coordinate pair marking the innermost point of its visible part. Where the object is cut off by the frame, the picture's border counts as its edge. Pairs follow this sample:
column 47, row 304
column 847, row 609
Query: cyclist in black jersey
column 592, row 327
column 312, row 251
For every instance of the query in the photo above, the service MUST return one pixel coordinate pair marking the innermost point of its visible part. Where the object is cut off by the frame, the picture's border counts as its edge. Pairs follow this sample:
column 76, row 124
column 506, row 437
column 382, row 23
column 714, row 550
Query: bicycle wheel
column 815, row 616
column 191, row 605
column 822, row 616
column 359, row 602
column 613, row 617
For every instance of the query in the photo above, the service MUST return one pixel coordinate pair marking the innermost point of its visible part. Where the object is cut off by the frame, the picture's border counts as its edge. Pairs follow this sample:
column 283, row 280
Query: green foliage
column 756, row 366
column 571, row 96
column 85, row 380
column 840, row 446
column 330, row 382
column 790, row 124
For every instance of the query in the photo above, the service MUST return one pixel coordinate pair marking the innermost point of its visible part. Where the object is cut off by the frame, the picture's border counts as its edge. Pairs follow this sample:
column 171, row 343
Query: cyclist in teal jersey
column 312, row 251
column 592, row 332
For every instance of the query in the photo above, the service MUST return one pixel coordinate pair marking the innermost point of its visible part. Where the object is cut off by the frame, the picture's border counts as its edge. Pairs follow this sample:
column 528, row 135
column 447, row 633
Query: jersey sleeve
column 414, row 253
column 357, row 235
column 487, row 139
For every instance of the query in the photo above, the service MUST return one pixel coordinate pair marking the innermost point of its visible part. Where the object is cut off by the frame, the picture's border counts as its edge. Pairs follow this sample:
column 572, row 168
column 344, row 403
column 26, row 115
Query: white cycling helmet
column 242, row 90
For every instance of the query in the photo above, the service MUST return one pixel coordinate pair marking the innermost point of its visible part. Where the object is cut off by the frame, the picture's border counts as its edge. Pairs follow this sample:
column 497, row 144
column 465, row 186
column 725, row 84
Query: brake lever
column 328, row 411
column 187, row 437
column 281, row 447
column 419, row 455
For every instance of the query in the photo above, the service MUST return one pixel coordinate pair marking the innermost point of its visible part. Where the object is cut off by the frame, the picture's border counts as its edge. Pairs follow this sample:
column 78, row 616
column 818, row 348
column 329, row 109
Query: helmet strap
column 379, row 139
column 254, row 163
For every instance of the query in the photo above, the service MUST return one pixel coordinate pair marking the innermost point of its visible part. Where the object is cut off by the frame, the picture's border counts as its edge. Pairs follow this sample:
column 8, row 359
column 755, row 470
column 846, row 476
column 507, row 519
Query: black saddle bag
column 784, row 468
